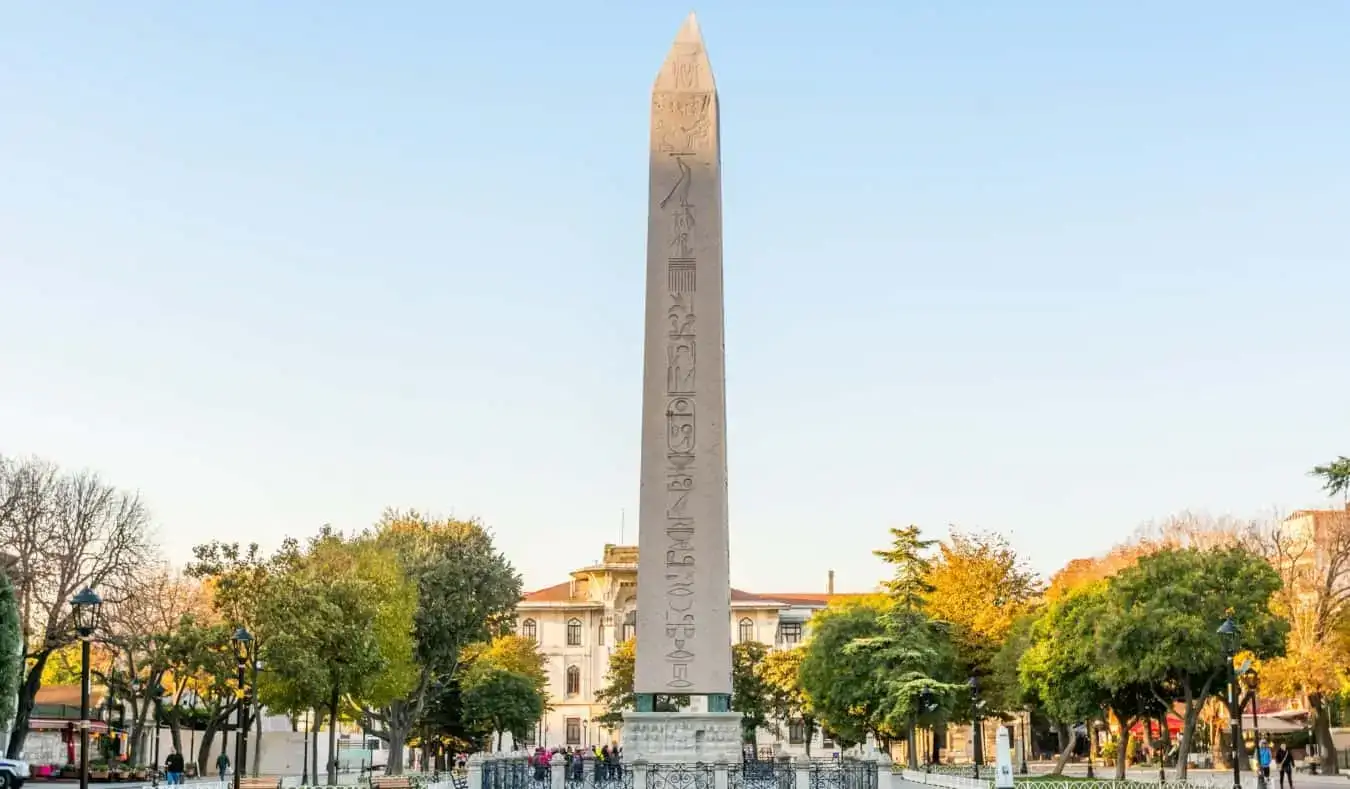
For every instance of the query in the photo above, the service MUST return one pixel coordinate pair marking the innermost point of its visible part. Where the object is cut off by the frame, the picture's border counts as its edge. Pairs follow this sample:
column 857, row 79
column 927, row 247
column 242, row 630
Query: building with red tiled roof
column 578, row 622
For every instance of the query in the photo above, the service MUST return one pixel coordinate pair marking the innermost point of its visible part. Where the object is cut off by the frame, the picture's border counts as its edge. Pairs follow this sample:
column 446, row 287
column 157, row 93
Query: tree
column 237, row 580
column 139, row 638
column 508, row 652
column 1159, row 626
column 1314, row 568
column 466, row 592
column 11, row 650
column 68, row 531
column 867, row 666
column 787, row 699
column 618, row 696
column 749, row 691
column 980, row 586
column 498, row 700
column 1335, row 477
column 908, row 585
column 340, row 619
column 1059, row 665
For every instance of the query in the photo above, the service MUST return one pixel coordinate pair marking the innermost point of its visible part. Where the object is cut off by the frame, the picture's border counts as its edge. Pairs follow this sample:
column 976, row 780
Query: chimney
column 830, row 587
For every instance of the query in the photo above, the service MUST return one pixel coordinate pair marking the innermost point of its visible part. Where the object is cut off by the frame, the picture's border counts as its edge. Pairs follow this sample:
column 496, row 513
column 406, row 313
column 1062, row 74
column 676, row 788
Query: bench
column 461, row 781
column 389, row 782
column 262, row 782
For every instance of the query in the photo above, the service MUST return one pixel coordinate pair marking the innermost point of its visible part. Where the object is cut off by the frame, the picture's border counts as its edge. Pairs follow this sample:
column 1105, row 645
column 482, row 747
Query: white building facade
column 579, row 622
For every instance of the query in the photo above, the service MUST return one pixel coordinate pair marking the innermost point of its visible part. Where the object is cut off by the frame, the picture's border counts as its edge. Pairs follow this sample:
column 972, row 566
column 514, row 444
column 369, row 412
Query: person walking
column 1284, row 762
column 1263, row 759
column 173, row 768
column 222, row 766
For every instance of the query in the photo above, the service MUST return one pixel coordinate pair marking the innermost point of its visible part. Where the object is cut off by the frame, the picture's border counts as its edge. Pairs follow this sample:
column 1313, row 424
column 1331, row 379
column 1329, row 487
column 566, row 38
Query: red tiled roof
column 557, row 593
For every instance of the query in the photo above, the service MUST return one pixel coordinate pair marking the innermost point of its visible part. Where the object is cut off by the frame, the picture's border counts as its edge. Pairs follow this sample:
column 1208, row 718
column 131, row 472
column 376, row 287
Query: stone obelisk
column 684, row 591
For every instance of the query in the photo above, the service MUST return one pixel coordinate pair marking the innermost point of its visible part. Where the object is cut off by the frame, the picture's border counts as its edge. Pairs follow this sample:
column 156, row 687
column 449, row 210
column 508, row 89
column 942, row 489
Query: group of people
column 608, row 762
column 1281, row 758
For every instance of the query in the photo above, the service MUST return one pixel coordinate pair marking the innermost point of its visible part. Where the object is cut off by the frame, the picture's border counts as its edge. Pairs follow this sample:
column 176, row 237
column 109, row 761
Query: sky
column 1051, row 269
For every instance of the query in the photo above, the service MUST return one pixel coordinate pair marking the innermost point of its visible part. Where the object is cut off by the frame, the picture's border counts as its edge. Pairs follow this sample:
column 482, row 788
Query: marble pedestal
column 682, row 737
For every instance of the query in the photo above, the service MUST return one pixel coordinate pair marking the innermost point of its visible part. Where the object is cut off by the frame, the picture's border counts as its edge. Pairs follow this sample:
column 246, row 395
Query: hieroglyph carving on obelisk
column 684, row 597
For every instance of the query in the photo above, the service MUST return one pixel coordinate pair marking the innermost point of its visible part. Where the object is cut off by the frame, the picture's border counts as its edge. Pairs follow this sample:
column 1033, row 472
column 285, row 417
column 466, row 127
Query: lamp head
column 87, row 605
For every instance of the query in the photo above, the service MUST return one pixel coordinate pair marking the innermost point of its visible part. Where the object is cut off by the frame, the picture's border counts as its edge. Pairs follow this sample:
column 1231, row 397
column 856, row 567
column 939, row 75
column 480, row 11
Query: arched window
column 574, row 632
column 629, row 626
column 529, row 629
column 573, row 680
column 746, row 630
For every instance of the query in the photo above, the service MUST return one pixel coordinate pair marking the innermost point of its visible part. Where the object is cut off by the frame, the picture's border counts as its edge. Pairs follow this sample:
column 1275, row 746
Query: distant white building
column 577, row 624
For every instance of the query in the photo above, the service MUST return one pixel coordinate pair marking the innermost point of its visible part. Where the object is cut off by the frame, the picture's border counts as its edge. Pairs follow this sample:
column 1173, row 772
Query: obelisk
column 684, row 591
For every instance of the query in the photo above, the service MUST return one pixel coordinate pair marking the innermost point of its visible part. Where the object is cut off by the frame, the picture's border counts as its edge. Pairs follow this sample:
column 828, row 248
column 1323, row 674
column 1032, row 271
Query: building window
column 574, row 731
column 790, row 633
column 529, row 630
column 746, row 630
column 574, row 632
column 629, row 631
column 573, row 680
column 826, row 740
column 796, row 733
column 600, row 635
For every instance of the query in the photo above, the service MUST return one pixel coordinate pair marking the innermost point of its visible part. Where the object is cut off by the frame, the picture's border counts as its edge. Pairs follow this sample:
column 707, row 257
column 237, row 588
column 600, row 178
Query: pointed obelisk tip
column 689, row 32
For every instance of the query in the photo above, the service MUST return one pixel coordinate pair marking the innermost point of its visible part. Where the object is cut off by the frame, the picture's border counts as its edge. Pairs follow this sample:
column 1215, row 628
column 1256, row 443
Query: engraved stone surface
column 684, row 591
column 682, row 737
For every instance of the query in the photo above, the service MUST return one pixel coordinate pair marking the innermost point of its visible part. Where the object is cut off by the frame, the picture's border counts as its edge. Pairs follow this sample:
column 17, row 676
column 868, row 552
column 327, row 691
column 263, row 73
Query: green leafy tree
column 1159, row 625
column 910, row 566
column 1059, row 665
column 750, row 693
column 868, row 665
column 341, row 619
column 11, row 651
column 466, row 593
column 509, row 652
column 787, row 699
column 1335, row 477
column 498, row 700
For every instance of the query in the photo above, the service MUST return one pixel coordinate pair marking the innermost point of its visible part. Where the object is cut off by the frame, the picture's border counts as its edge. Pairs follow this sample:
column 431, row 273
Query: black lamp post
column 976, row 736
column 1253, row 681
column 243, row 652
column 1228, row 633
column 87, row 605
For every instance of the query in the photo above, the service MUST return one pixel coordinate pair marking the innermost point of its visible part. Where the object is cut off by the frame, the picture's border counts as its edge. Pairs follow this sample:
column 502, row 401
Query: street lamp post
column 977, row 740
column 87, row 605
column 243, row 643
column 1228, row 633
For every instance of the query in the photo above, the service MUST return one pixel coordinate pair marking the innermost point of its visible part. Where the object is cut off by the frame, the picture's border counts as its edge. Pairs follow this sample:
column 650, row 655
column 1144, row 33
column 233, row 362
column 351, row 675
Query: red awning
column 1173, row 726
column 60, row 724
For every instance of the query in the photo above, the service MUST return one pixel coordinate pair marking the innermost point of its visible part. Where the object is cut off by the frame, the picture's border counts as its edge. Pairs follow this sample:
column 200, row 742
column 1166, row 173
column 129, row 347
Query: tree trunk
column 332, row 737
column 204, row 749
column 912, row 746
column 1326, row 747
column 1189, row 717
column 1123, row 750
column 398, row 725
column 1068, row 738
column 23, row 713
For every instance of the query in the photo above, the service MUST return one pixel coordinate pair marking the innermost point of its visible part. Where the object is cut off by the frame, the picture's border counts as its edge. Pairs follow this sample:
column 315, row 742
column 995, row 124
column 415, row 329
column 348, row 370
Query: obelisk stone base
column 682, row 737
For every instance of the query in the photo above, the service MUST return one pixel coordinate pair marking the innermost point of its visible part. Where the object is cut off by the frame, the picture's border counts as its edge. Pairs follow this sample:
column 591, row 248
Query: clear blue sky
column 1052, row 269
